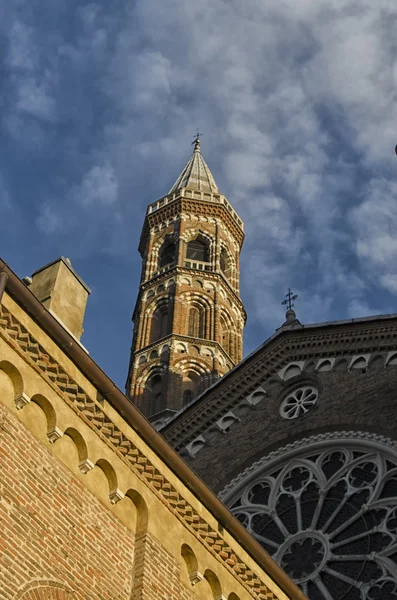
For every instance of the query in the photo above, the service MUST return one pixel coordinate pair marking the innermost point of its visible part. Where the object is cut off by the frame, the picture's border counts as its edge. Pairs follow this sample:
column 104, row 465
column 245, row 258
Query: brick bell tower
column 188, row 318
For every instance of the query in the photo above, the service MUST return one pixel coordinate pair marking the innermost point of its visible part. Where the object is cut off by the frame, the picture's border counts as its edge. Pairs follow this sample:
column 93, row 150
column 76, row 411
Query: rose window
column 298, row 402
column 327, row 513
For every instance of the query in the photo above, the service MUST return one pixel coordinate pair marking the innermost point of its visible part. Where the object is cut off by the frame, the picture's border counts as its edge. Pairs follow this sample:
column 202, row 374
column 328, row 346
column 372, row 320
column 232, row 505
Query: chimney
column 62, row 291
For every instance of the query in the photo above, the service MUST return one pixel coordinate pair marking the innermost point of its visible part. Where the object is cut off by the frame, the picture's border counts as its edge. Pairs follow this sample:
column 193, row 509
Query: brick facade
column 308, row 395
column 88, row 509
column 352, row 395
column 189, row 319
column 54, row 529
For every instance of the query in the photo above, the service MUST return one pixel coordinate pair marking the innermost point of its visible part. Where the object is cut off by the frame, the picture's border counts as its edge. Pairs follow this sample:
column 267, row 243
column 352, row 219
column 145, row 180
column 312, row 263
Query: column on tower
column 188, row 318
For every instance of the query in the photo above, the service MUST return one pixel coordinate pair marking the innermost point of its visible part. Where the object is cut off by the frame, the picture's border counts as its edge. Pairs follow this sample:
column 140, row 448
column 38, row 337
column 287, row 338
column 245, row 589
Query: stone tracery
column 327, row 512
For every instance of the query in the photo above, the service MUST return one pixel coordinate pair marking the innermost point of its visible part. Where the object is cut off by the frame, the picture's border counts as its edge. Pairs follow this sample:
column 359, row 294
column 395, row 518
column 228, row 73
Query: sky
column 297, row 103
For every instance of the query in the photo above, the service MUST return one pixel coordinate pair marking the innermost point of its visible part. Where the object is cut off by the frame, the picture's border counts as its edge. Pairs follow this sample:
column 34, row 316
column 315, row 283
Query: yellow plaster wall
column 65, row 434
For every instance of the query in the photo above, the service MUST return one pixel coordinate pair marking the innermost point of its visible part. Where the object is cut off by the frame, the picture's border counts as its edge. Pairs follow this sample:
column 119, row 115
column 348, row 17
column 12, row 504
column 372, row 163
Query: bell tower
column 188, row 318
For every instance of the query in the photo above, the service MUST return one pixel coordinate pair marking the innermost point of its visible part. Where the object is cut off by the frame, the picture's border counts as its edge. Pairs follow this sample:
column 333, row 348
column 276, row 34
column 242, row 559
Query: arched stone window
column 325, row 508
column 226, row 335
column 225, row 263
column 198, row 249
column 191, row 381
column 153, row 394
column 160, row 326
column 196, row 322
column 167, row 254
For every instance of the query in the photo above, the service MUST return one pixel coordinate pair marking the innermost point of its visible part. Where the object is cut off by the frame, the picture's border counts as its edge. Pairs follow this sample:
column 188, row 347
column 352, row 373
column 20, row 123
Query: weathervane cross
column 289, row 299
column 197, row 137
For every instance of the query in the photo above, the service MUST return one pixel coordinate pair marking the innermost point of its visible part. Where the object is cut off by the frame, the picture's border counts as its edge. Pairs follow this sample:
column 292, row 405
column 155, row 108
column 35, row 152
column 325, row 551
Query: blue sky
column 297, row 103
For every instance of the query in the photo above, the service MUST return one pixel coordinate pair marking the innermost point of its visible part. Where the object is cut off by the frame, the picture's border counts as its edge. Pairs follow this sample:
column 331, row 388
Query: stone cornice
column 184, row 338
column 182, row 204
column 178, row 270
column 329, row 340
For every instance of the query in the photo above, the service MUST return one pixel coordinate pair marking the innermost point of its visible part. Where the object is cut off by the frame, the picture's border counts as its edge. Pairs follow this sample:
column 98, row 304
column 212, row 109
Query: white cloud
column 49, row 220
column 375, row 224
column 32, row 84
column 99, row 187
column 34, row 97
column 298, row 105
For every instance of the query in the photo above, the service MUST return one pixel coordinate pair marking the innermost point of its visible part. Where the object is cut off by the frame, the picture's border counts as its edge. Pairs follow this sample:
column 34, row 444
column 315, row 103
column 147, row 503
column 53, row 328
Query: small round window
column 298, row 402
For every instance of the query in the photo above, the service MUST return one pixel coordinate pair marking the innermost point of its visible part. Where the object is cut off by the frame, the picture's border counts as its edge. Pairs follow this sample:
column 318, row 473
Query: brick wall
column 53, row 528
column 59, row 541
column 357, row 400
column 87, row 509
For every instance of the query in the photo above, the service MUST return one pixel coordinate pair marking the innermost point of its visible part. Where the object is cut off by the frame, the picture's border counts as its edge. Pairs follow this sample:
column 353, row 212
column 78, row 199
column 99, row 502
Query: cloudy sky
column 297, row 102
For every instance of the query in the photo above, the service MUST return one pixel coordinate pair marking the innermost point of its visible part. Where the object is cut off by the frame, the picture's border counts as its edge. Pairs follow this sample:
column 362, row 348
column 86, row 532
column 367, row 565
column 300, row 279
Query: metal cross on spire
column 290, row 297
column 196, row 140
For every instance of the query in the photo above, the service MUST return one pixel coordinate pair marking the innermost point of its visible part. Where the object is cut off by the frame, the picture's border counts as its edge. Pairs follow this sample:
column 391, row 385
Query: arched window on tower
column 196, row 322
column 167, row 254
column 160, row 326
column 198, row 250
column 226, row 335
column 225, row 263
column 153, row 394
column 191, row 381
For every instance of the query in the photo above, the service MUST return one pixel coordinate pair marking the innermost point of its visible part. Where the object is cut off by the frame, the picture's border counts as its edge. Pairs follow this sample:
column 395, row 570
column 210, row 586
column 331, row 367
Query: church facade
column 299, row 439
column 300, row 442
column 279, row 478
column 94, row 504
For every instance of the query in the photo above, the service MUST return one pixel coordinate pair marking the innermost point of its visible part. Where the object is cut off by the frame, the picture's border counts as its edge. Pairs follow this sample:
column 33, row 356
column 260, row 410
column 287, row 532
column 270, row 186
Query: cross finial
column 289, row 299
column 196, row 140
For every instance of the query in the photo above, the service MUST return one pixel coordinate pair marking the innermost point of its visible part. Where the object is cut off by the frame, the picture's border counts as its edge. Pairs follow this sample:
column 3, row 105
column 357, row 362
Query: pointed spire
column 196, row 175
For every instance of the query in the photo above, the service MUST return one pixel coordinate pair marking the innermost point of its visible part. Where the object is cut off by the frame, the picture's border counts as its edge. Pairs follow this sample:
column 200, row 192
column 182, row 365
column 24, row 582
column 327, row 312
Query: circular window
column 298, row 402
column 327, row 513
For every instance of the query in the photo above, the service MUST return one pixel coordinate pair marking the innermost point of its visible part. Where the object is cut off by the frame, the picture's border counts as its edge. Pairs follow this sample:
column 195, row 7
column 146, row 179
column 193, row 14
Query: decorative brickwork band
column 91, row 412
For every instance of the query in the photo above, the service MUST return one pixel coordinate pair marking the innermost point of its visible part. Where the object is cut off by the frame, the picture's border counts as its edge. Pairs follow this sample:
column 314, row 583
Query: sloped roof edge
column 281, row 330
column 11, row 283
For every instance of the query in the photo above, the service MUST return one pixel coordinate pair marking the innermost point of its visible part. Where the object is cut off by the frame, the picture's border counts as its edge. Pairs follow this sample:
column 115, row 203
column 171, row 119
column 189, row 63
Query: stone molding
column 268, row 362
column 198, row 207
column 93, row 415
column 21, row 400
column 307, row 441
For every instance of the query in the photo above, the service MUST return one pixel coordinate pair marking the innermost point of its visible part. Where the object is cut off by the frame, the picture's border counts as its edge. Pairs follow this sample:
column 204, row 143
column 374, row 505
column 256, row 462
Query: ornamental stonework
column 92, row 414
column 189, row 318
column 326, row 510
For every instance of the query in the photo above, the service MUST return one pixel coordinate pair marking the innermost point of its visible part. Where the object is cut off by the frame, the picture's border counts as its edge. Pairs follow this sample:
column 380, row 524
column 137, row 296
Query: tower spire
column 189, row 318
column 196, row 175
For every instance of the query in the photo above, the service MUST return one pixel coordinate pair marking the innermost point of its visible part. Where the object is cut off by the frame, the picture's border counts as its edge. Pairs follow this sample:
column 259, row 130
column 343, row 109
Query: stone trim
column 269, row 360
column 94, row 416
column 307, row 441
